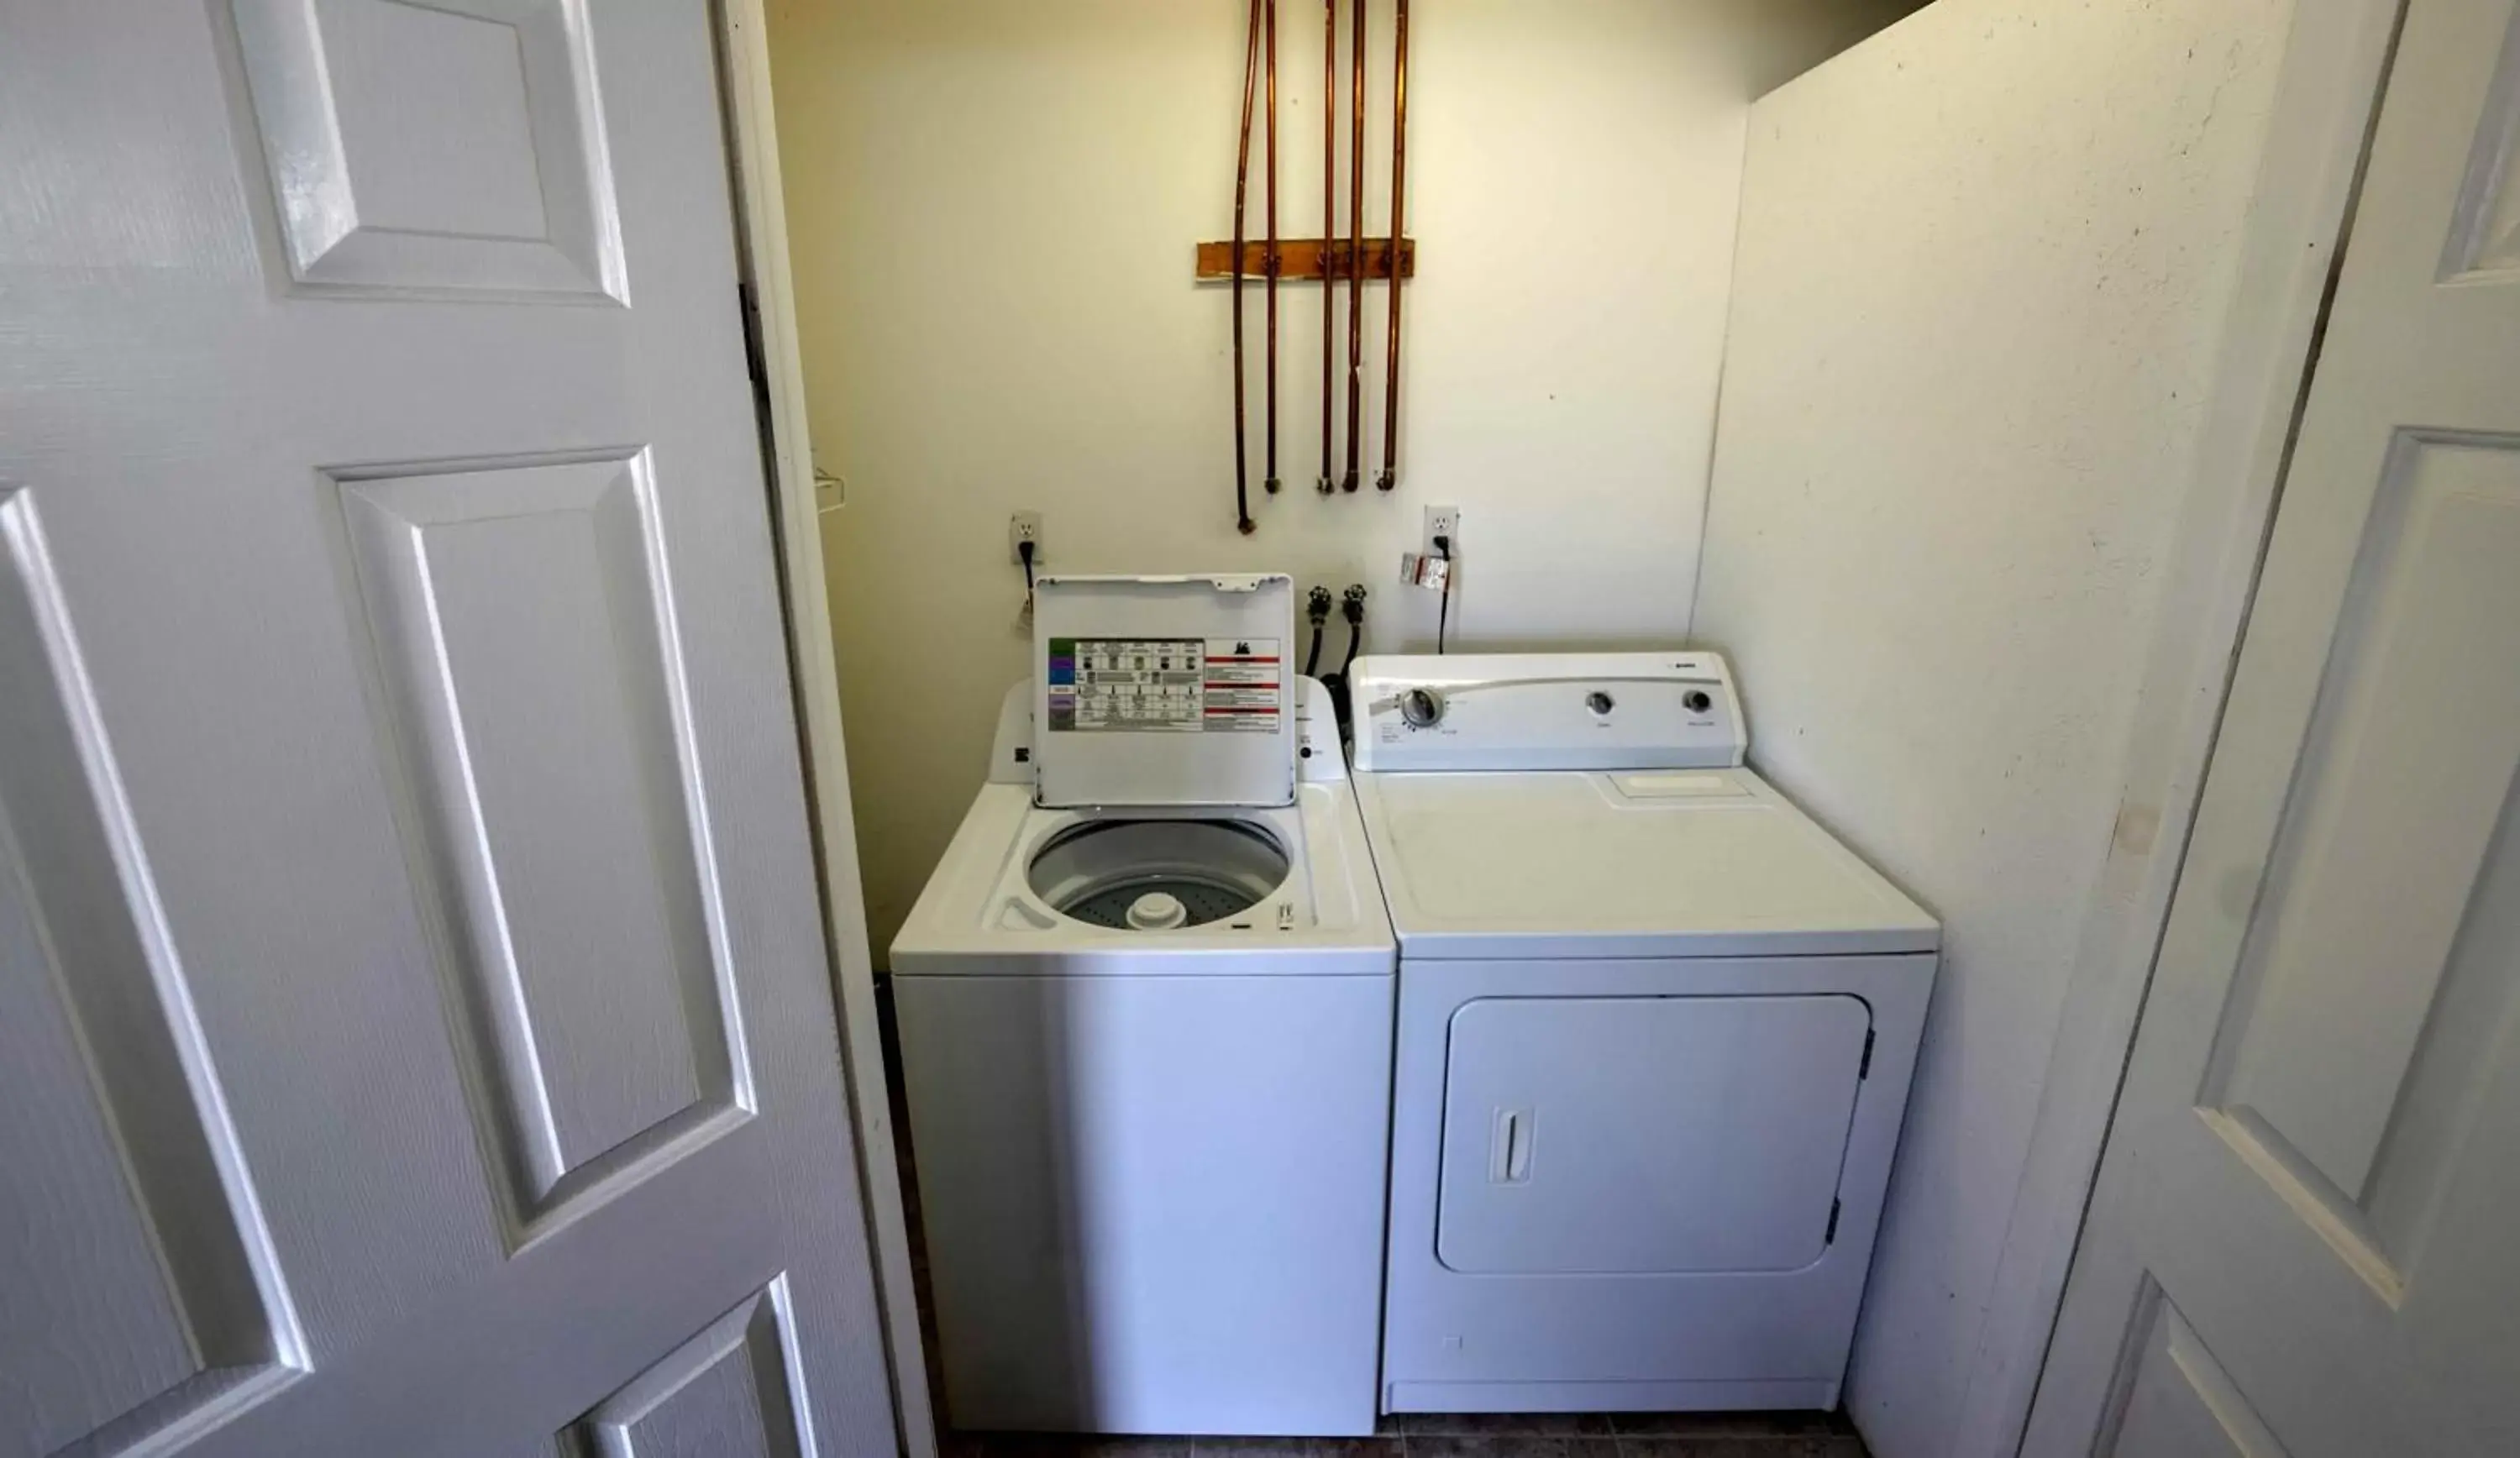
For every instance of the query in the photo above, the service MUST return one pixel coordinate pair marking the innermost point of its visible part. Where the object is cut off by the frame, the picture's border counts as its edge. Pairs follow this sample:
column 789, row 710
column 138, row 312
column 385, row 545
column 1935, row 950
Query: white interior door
column 415, row 1034
column 2302, row 1241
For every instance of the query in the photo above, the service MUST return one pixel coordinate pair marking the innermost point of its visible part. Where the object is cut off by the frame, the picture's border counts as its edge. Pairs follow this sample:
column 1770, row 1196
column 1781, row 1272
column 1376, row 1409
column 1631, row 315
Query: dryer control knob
column 1599, row 703
column 1422, row 708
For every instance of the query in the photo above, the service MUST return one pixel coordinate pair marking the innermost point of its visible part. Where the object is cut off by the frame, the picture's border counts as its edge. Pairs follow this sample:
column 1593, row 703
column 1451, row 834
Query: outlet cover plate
column 1445, row 522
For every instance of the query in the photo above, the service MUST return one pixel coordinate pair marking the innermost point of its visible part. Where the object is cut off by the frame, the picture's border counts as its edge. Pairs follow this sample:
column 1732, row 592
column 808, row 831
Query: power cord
column 1444, row 598
column 1025, row 550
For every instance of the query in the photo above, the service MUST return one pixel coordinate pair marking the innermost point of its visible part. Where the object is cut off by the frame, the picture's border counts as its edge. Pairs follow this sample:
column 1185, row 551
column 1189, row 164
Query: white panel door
column 415, row 1030
column 2301, row 1238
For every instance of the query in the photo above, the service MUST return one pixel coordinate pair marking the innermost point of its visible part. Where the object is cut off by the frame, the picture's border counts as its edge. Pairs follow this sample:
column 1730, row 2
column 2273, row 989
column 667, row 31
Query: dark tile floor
column 1741, row 1435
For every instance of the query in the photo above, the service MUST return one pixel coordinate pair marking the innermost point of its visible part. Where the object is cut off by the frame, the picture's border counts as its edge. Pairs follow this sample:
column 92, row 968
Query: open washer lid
column 1164, row 690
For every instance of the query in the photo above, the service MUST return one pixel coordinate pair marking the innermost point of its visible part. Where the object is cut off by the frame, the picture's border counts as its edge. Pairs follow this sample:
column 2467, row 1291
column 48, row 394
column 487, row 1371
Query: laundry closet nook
column 1875, row 345
column 1931, row 364
column 1406, row 728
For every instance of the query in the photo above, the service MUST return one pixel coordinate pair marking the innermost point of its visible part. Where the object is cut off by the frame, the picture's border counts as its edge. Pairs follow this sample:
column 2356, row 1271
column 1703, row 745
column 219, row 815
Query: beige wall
column 1986, row 264
column 992, row 205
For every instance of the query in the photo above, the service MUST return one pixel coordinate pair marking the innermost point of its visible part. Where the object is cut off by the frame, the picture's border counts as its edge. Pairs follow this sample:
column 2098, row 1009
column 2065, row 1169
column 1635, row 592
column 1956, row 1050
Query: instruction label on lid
column 1164, row 684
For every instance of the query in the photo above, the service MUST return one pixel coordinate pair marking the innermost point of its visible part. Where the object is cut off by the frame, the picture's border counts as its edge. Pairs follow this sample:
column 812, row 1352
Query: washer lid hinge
column 1829, row 1237
column 1864, row 1070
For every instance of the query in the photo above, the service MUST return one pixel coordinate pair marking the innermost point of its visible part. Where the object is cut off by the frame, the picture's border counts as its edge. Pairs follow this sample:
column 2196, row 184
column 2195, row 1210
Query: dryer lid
column 1164, row 691
column 1656, row 863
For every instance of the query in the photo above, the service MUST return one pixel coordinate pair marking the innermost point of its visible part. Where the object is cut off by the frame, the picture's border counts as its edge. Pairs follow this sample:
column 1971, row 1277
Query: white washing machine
column 1146, row 1013
column 1655, row 1034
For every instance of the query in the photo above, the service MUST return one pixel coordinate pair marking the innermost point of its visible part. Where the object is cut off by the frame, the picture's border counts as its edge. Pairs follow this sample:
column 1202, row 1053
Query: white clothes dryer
column 1146, row 1012
column 1654, row 1041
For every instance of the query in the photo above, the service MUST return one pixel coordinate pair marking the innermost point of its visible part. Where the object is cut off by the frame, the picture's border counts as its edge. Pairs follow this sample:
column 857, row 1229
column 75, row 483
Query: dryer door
column 1645, row 1134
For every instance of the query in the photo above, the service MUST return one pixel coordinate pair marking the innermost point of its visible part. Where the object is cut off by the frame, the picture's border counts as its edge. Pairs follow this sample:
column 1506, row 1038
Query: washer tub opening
column 1157, row 875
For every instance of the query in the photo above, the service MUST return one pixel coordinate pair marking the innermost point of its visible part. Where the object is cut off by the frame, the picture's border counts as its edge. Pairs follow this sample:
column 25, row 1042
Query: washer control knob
column 1599, row 703
column 1697, row 700
column 1422, row 708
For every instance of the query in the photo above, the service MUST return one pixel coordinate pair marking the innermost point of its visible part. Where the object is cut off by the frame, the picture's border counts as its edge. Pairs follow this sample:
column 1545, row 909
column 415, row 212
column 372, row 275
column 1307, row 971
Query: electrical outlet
column 1022, row 527
column 1444, row 522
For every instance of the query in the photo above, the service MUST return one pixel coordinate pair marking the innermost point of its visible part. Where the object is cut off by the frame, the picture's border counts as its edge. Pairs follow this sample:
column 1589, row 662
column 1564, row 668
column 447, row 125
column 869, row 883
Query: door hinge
column 1836, row 1207
column 1864, row 1070
column 756, row 362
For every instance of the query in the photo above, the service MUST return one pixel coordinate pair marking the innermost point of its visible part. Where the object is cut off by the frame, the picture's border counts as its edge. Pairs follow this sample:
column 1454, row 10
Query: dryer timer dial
column 1422, row 708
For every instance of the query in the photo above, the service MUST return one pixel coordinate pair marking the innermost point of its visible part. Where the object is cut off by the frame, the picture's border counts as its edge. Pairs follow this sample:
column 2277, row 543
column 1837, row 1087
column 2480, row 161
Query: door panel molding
column 2174, row 1399
column 449, row 150
column 519, row 618
column 728, row 1391
column 2383, row 869
column 2485, row 230
column 142, row 1278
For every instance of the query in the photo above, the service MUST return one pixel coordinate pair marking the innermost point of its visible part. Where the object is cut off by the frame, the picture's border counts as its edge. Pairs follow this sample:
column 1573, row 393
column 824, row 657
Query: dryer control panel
column 1546, row 711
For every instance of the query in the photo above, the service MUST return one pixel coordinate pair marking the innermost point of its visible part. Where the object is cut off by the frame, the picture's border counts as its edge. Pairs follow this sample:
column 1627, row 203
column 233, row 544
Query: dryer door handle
column 1510, row 1147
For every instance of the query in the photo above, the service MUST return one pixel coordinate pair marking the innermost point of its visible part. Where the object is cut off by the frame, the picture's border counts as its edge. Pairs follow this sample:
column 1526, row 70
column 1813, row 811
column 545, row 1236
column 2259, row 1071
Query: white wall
column 1986, row 264
column 992, row 205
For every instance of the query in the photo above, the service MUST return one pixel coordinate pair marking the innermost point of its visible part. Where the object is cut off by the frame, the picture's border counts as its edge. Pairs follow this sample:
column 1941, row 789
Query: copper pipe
column 1270, row 479
column 1356, row 250
column 1329, row 217
column 1242, row 193
column 1390, row 477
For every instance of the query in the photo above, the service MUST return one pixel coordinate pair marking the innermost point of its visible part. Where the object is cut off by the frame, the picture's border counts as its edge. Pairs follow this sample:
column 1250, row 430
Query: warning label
column 1239, row 686
column 1163, row 685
